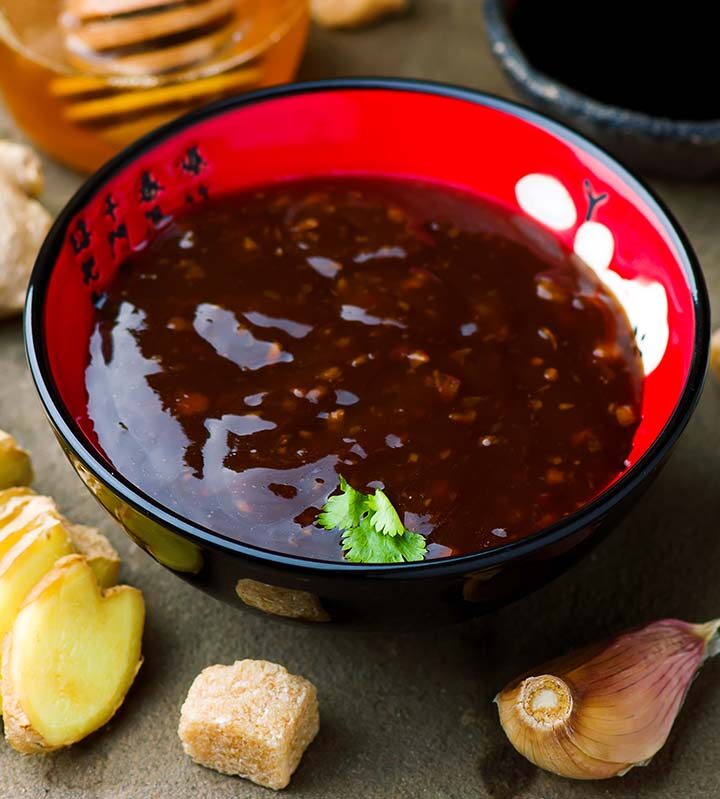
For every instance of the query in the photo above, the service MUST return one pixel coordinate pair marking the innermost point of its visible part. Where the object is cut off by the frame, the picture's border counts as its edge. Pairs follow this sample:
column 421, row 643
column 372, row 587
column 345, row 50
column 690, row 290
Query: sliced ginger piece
column 12, row 500
column 97, row 551
column 70, row 658
column 22, row 566
column 26, row 554
column 33, row 539
column 15, row 464
column 21, row 509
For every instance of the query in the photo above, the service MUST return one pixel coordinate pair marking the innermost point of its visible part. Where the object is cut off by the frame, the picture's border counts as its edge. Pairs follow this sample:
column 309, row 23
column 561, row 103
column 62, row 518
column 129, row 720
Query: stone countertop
column 408, row 716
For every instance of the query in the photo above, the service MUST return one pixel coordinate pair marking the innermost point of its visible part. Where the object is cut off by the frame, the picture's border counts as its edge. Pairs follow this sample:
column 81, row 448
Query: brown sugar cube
column 253, row 719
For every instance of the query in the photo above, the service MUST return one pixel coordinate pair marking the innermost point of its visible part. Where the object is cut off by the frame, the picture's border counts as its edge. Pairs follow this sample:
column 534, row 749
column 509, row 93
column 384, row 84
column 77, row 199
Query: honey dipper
column 144, row 37
column 127, row 51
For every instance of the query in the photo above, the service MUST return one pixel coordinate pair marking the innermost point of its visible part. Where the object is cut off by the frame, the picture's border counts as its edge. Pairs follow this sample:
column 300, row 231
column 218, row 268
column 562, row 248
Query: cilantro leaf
column 372, row 529
column 344, row 510
column 365, row 544
column 384, row 518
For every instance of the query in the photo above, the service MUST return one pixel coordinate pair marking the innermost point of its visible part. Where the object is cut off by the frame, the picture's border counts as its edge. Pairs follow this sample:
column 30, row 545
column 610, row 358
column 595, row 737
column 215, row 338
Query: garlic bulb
column 608, row 707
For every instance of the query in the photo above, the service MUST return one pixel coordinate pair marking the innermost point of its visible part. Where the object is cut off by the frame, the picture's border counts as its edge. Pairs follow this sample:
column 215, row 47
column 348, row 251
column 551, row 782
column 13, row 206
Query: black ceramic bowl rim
column 573, row 103
column 85, row 453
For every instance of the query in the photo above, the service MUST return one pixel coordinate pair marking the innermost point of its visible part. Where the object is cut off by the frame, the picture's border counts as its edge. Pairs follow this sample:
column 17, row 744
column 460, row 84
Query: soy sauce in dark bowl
column 638, row 80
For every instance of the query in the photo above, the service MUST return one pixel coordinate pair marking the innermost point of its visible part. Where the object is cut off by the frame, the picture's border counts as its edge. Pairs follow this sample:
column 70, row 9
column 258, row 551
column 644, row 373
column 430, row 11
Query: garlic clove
column 543, row 738
column 635, row 690
column 610, row 706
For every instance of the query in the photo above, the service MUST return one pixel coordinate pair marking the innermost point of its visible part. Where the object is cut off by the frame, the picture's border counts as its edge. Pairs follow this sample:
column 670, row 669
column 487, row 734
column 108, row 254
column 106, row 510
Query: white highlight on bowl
column 645, row 303
column 594, row 243
column 546, row 200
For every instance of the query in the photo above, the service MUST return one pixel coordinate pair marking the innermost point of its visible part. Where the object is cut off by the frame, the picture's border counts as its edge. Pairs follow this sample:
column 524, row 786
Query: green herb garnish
column 372, row 529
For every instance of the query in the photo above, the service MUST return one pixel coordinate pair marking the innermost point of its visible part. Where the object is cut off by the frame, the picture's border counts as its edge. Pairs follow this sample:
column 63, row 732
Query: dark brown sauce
column 401, row 334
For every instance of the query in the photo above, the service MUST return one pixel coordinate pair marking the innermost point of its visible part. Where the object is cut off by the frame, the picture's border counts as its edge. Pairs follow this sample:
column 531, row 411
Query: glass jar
column 82, row 113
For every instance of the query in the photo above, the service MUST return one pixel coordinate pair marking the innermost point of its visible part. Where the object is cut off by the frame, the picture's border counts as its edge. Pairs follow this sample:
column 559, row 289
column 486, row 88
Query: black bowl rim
column 85, row 453
column 551, row 92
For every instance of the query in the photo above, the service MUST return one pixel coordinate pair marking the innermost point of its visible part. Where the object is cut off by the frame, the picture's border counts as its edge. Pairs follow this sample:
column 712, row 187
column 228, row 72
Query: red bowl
column 518, row 158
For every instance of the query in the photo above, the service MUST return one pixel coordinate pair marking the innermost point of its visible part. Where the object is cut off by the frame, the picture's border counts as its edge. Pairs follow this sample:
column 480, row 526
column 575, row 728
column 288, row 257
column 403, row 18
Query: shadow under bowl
column 442, row 134
column 653, row 145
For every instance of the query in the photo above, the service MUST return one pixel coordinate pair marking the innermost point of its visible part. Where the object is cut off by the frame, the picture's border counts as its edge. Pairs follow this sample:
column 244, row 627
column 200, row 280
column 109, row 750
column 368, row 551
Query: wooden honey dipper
column 143, row 42
column 144, row 37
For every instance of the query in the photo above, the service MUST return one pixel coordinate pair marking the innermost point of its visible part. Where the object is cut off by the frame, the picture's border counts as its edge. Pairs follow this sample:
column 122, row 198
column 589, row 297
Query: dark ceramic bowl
column 654, row 145
column 533, row 166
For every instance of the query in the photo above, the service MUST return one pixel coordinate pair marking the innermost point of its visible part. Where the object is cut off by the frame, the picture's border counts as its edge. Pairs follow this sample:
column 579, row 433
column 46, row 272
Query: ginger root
column 23, row 222
column 715, row 354
column 70, row 658
column 353, row 13
column 15, row 464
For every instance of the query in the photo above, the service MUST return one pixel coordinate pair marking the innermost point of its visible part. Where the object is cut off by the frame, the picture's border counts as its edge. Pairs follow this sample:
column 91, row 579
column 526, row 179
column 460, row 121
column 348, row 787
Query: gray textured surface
column 408, row 716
